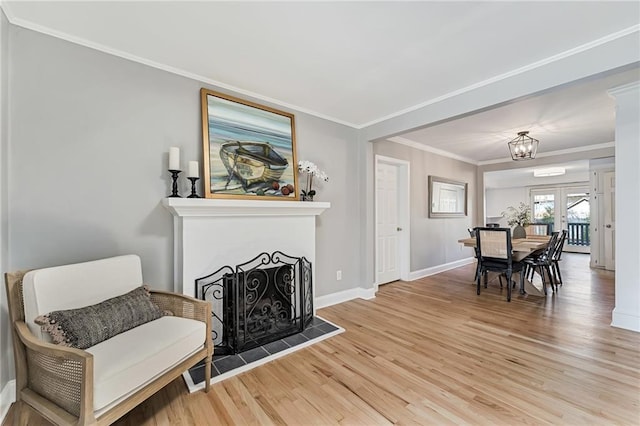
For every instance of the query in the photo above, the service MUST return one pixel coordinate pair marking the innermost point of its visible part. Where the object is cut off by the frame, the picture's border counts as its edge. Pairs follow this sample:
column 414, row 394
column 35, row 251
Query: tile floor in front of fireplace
column 225, row 366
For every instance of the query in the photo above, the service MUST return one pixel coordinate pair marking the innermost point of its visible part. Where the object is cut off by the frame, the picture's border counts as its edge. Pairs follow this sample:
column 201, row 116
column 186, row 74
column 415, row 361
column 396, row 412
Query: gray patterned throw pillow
column 84, row 327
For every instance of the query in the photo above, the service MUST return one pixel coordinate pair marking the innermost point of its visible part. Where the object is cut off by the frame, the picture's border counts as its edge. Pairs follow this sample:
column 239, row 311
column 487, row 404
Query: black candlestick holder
column 193, row 187
column 174, row 176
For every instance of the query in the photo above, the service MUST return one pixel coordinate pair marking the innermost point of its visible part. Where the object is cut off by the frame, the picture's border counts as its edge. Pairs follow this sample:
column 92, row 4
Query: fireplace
column 262, row 300
column 208, row 233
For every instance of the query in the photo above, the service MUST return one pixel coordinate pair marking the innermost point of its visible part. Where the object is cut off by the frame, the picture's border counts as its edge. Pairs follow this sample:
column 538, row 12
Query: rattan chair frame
column 57, row 381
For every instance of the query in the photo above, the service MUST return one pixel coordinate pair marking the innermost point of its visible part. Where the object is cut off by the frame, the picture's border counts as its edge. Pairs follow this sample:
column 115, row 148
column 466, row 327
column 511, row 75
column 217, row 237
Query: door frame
column 564, row 193
column 609, row 226
column 560, row 196
column 404, row 240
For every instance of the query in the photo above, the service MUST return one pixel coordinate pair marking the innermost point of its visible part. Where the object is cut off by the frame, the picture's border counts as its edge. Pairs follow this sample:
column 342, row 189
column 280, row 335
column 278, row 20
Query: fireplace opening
column 257, row 302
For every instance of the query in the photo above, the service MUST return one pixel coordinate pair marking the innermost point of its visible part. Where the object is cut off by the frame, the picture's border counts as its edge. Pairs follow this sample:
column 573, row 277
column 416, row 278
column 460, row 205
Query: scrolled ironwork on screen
column 264, row 299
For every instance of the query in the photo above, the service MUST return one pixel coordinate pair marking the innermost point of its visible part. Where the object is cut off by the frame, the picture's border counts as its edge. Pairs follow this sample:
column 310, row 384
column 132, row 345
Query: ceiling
column 575, row 171
column 358, row 63
column 576, row 116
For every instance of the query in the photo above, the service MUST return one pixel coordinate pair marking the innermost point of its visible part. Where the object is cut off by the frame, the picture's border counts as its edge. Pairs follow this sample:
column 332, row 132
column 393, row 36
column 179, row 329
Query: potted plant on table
column 520, row 217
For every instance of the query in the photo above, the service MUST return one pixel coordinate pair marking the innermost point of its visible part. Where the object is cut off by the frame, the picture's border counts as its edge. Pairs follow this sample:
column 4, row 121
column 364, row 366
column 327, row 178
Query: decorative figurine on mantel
column 174, row 169
column 311, row 170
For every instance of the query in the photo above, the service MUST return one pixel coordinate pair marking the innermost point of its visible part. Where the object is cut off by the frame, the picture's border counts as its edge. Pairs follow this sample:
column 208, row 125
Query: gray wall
column 433, row 241
column 498, row 199
column 334, row 149
column 89, row 140
column 6, row 359
column 90, row 133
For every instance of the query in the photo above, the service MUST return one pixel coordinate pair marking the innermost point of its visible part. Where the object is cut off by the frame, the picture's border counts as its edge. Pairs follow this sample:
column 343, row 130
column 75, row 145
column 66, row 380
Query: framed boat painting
column 249, row 149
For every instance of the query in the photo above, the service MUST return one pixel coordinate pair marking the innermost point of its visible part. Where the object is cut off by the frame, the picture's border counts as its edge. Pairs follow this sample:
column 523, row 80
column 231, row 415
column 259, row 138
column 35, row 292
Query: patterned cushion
column 84, row 327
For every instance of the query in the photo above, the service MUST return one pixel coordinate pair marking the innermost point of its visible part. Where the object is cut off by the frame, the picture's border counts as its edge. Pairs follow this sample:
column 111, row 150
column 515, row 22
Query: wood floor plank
column 431, row 351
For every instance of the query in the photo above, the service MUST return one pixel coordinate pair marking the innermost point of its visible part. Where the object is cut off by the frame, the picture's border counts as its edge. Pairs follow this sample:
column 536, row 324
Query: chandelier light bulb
column 523, row 147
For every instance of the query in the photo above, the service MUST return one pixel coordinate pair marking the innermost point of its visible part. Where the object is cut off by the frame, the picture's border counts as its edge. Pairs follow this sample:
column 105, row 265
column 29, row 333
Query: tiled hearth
column 225, row 366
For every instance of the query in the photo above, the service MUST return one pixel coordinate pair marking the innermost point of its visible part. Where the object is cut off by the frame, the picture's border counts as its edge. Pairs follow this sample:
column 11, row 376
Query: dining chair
column 495, row 254
column 555, row 257
column 543, row 263
column 472, row 234
column 537, row 229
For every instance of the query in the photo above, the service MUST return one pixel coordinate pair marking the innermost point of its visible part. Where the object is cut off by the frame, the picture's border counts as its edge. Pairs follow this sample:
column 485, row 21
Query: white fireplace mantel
column 221, row 207
column 211, row 233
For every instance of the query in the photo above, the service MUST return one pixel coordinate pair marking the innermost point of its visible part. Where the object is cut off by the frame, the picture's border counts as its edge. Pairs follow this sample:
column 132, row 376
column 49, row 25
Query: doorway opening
column 565, row 208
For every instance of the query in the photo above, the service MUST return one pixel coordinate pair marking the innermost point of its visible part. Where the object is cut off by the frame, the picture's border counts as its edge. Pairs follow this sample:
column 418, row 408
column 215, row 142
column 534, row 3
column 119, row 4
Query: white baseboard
column 370, row 293
column 440, row 268
column 7, row 397
column 626, row 320
column 344, row 296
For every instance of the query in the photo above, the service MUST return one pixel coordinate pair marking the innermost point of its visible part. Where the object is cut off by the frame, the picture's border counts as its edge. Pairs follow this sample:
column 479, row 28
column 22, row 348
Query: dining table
column 522, row 248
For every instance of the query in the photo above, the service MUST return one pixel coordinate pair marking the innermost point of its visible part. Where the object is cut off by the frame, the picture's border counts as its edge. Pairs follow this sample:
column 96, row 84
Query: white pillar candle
column 194, row 171
column 174, row 158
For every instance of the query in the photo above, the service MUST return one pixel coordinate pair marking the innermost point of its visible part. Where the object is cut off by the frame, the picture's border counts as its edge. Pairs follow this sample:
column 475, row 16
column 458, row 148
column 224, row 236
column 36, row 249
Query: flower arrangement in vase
column 520, row 217
column 311, row 170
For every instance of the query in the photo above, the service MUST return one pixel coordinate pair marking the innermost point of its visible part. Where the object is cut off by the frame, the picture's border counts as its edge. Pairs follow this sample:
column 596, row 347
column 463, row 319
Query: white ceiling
column 576, row 116
column 575, row 171
column 359, row 62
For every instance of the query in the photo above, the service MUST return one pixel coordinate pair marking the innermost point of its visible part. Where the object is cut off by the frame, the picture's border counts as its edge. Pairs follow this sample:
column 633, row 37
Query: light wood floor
column 432, row 352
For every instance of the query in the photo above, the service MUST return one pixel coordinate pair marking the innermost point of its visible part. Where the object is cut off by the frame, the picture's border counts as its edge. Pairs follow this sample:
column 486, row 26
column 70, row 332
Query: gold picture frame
column 249, row 149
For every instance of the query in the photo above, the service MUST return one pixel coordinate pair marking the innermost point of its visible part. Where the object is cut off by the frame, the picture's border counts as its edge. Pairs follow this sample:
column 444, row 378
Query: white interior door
column 609, row 221
column 387, row 226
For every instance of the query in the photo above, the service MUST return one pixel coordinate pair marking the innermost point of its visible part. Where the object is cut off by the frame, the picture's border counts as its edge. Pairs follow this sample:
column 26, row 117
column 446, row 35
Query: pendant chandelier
column 523, row 147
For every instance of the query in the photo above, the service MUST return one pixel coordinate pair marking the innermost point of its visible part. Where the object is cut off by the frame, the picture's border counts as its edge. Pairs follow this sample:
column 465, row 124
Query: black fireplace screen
column 262, row 300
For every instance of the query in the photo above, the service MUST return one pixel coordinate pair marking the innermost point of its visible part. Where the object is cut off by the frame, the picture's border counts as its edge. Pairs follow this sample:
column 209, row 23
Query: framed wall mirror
column 447, row 197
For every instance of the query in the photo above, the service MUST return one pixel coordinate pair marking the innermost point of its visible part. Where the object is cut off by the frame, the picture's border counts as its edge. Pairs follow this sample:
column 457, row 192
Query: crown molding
column 554, row 153
column 173, row 70
column 422, row 147
column 521, row 70
column 115, row 52
column 443, row 153
column 620, row 90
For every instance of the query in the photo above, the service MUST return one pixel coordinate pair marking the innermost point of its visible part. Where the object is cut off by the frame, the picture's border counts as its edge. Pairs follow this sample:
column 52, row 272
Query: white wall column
column 627, row 205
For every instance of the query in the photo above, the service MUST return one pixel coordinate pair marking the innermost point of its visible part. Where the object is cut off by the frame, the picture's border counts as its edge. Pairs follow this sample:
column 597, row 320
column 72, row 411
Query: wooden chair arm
column 50, row 349
column 60, row 374
column 182, row 305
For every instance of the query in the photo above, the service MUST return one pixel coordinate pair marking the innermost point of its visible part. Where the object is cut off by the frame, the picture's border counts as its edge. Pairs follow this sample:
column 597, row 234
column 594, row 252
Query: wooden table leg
column 530, row 288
